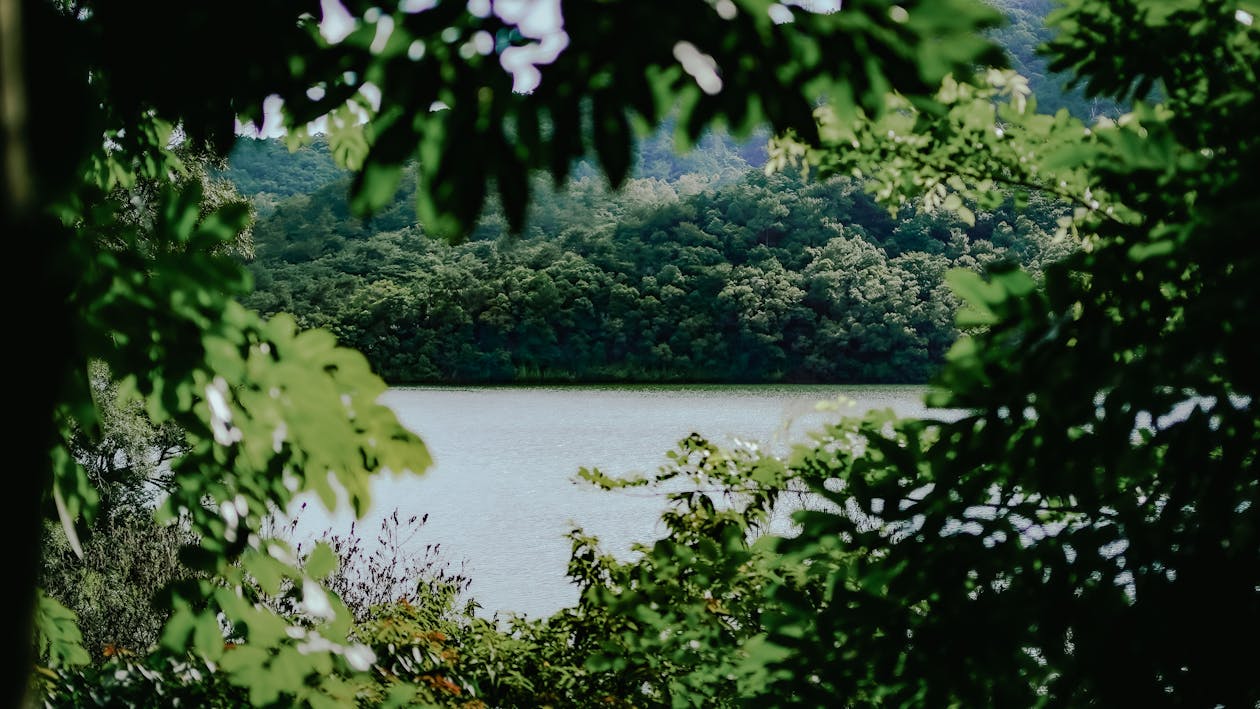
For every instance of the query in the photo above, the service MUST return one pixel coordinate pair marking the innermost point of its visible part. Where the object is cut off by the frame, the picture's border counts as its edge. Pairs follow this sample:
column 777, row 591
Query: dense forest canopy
column 704, row 269
column 1082, row 529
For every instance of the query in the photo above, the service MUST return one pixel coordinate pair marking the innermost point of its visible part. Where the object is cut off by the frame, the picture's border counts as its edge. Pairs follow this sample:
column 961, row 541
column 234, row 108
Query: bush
column 127, row 560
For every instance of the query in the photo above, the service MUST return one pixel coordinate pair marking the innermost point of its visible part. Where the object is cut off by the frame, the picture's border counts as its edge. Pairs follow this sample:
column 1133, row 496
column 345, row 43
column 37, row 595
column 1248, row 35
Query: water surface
column 501, row 494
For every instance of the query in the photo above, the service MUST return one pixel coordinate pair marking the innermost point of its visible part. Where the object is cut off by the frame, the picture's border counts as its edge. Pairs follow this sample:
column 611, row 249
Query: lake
column 501, row 495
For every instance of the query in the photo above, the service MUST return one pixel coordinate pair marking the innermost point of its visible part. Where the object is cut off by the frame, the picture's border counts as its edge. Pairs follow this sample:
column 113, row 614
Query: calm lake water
column 502, row 496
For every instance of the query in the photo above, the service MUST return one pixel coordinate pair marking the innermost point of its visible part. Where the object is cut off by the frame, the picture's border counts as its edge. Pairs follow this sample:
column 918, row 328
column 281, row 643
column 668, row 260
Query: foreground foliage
column 1082, row 529
column 1087, row 531
column 269, row 412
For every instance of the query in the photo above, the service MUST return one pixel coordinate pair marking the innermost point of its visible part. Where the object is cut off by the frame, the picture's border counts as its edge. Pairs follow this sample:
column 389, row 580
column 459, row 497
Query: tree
column 1078, row 525
column 1085, row 530
column 95, row 99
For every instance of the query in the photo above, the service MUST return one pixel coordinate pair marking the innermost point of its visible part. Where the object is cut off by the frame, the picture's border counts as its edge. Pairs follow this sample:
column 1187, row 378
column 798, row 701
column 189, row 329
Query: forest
column 707, row 270
column 700, row 268
column 1070, row 269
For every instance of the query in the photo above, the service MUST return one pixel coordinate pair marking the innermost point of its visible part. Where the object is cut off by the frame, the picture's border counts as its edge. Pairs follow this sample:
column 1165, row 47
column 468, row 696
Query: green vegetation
column 267, row 171
column 1024, row 32
column 96, row 102
column 1084, row 531
column 753, row 278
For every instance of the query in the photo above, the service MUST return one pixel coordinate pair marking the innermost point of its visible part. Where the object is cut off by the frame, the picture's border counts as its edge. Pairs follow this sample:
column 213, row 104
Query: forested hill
column 268, row 172
column 700, row 268
column 1023, row 32
column 759, row 279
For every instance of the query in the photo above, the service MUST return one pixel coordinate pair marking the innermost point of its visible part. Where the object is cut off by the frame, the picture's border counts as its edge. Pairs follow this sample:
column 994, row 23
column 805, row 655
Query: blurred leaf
column 321, row 562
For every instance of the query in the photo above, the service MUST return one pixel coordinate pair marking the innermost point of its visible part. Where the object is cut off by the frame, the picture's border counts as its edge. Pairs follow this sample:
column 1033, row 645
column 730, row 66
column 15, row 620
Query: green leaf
column 1141, row 252
column 612, row 139
column 374, row 187
column 978, row 294
column 179, row 627
column 224, row 223
column 1015, row 282
column 207, row 636
column 400, row 695
column 242, row 658
column 513, row 186
column 322, row 561
column 180, row 211
column 57, row 633
column 347, row 140
column 973, row 288
column 268, row 572
column 966, row 215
